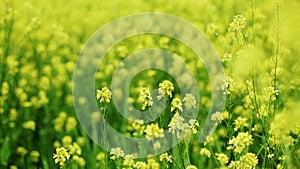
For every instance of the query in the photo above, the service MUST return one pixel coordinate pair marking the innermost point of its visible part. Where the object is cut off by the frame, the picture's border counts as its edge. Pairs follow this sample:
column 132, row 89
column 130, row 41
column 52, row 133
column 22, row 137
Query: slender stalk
column 276, row 54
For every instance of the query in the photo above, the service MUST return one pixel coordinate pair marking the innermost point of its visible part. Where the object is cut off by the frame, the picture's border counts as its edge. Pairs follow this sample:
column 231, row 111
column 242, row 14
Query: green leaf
column 45, row 163
column 5, row 152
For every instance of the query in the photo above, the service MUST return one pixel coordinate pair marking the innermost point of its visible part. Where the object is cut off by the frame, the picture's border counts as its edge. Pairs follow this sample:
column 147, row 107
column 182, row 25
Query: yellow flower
column 79, row 160
column 140, row 165
column 176, row 105
column 61, row 156
column 129, row 160
column 22, row 151
column 104, row 95
column 191, row 167
column 240, row 122
column 34, row 156
column 238, row 23
column 222, row 158
column 145, row 98
column 137, row 127
column 165, row 88
column 249, row 160
column 217, row 117
column 71, row 124
column 206, row 152
column 153, row 164
column 100, row 156
column 153, row 131
column 165, row 157
column 67, row 141
column 80, row 141
column 239, row 143
column 13, row 114
column 189, row 101
column 116, row 153
column 13, row 167
column 29, row 125
column 75, row 149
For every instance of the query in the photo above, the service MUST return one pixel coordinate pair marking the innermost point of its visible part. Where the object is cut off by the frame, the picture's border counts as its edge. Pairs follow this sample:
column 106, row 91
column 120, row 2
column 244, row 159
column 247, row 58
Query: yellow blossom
column 191, row 167
column 165, row 157
column 153, row 131
column 104, row 95
column 205, row 152
column 222, row 158
column 61, row 156
column 29, row 125
column 116, row 153
column 240, row 142
column 165, row 88
column 176, row 105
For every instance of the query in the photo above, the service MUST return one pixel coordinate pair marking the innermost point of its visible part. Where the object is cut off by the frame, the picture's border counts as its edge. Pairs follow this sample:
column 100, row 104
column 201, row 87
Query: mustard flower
column 129, row 160
column 145, row 98
column 189, row 101
column 153, row 131
column 240, row 142
column 116, row 153
column 205, row 152
column 191, row 167
column 222, row 158
column 165, row 157
column 22, row 151
column 238, row 23
column 151, row 163
column 104, row 95
column 165, row 88
column 61, row 156
column 176, row 105
column 140, row 165
column 239, row 123
column 249, row 160
column 79, row 160
column 29, row 125
column 34, row 156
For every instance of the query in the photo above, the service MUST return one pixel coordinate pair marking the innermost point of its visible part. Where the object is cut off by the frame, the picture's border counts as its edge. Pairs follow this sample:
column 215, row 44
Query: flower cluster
column 240, row 142
column 165, row 88
column 104, row 95
column 238, row 23
column 61, row 156
column 145, row 98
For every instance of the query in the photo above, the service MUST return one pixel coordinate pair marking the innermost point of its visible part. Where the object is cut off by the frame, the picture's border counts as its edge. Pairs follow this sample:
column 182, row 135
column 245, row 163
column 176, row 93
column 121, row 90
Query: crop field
column 150, row 84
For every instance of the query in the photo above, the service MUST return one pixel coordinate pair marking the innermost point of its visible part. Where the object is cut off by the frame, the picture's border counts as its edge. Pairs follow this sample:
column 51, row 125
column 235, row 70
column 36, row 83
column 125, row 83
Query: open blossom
column 129, row 160
column 153, row 131
column 176, row 105
column 145, row 98
column 116, row 153
column 165, row 88
column 165, row 157
column 270, row 93
column 228, row 85
column 61, row 156
column 140, row 165
column 104, row 95
column 205, row 152
column 248, row 161
column 222, row 158
column 189, row 101
column 238, row 23
column 240, row 122
column 179, row 127
column 217, row 117
column 240, row 142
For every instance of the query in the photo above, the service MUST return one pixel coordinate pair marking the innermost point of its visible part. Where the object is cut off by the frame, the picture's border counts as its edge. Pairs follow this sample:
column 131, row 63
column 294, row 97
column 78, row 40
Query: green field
column 257, row 44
